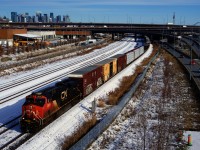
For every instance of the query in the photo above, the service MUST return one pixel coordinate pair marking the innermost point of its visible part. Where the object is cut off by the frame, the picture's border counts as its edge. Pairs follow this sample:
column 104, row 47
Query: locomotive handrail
column 39, row 118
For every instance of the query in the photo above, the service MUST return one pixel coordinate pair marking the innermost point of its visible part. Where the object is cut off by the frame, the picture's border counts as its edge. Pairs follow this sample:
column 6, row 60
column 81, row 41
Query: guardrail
column 95, row 132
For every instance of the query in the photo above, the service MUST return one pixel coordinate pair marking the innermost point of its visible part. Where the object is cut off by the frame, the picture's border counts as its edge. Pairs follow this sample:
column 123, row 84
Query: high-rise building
column 52, row 17
column 66, row 18
column 39, row 15
column 30, row 19
column 27, row 19
column 23, row 18
column 58, row 18
column 14, row 17
column 46, row 19
column 36, row 19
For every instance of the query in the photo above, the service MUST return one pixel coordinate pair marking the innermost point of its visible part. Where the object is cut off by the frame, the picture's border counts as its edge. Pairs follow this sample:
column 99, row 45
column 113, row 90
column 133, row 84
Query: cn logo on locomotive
column 63, row 95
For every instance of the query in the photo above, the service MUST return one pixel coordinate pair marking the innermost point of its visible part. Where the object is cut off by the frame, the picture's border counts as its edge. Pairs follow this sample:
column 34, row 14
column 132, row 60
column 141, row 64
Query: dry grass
column 113, row 98
column 100, row 103
column 4, row 59
column 79, row 132
column 127, row 81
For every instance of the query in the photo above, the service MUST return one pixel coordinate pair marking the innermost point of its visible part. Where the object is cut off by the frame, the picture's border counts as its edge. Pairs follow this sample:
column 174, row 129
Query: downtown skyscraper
column 39, row 17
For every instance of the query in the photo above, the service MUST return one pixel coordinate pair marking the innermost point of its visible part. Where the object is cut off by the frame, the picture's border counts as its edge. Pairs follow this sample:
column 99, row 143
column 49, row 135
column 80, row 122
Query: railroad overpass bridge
column 73, row 28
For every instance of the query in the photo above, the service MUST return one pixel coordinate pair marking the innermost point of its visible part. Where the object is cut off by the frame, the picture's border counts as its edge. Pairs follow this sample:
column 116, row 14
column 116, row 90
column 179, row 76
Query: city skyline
column 38, row 17
column 126, row 11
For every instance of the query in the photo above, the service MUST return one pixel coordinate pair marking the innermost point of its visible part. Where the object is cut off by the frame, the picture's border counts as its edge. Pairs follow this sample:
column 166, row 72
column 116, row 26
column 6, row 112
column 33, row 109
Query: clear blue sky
column 120, row 11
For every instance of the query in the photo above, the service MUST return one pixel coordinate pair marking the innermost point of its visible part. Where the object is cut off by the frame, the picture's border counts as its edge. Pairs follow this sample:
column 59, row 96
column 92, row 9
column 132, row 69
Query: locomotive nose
column 30, row 111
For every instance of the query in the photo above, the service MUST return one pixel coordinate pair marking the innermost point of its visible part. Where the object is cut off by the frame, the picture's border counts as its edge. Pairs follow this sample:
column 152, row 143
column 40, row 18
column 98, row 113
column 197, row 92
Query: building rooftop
column 28, row 35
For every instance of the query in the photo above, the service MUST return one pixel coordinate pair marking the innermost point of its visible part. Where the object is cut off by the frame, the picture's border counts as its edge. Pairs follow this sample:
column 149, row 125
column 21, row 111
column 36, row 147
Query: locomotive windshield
column 40, row 101
column 29, row 100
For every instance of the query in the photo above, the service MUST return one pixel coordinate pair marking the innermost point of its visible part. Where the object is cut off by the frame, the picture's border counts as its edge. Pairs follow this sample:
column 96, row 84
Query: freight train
column 43, row 106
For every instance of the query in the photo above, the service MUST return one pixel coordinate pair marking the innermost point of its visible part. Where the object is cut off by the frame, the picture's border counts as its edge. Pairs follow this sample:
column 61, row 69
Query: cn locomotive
column 43, row 106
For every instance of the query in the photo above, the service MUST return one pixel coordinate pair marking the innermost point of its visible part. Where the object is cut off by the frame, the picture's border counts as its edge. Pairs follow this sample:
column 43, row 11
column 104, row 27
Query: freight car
column 88, row 79
column 42, row 106
column 109, row 68
column 121, row 61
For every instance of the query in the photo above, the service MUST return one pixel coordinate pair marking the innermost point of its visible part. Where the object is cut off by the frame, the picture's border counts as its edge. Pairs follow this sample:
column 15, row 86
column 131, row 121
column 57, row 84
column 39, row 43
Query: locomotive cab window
column 29, row 100
column 40, row 101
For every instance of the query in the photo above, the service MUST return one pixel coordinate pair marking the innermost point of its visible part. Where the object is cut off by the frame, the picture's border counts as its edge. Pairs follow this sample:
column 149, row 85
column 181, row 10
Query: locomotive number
column 63, row 95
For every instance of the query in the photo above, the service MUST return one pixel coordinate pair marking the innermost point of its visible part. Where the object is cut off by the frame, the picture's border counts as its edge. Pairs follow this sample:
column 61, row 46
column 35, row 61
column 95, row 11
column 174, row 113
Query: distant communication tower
column 174, row 18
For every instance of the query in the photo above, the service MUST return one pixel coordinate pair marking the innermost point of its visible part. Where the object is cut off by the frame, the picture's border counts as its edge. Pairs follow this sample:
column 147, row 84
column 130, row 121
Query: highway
column 195, row 45
column 192, row 69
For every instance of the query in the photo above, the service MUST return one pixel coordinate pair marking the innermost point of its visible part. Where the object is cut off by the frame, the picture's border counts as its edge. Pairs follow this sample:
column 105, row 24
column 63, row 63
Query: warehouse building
column 45, row 35
column 6, row 35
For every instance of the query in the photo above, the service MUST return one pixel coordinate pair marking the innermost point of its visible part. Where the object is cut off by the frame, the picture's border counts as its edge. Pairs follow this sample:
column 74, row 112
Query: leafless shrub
column 80, row 131
column 101, row 103
column 126, row 82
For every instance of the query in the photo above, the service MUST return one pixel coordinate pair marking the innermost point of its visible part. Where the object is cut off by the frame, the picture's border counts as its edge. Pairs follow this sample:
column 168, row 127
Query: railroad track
column 9, row 133
column 10, row 124
column 7, row 128
column 74, row 67
column 5, row 97
column 39, row 74
column 16, row 141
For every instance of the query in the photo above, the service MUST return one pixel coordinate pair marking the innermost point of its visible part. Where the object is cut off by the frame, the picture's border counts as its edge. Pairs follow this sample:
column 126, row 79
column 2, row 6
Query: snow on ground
column 52, row 135
column 123, row 132
column 137, row 126
column 13, row 108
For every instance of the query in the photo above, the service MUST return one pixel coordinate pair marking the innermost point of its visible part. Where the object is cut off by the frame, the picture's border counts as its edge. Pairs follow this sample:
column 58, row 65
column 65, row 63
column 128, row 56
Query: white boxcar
column 141, row 50
column 137, row 53
column 129, row 57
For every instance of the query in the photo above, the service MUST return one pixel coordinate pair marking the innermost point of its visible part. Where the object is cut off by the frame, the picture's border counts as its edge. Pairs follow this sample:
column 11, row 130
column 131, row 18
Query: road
column 193, row 69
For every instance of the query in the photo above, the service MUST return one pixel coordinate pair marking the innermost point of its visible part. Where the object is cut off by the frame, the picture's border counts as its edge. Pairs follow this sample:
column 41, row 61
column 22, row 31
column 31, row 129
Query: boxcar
column 88, row 78
column 113, row 66
column 121, row 61
column 130, row 57
column 141, row 50
column 137, row 53
column 109, row 68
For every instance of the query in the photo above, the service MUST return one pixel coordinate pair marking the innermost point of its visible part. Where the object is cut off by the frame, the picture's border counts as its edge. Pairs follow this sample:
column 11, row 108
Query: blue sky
column 121, row 11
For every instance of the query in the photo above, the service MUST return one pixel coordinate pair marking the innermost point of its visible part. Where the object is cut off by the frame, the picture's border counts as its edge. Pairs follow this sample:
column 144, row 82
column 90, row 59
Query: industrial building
column 45, row 35
column 6, row 36
column 11, row 37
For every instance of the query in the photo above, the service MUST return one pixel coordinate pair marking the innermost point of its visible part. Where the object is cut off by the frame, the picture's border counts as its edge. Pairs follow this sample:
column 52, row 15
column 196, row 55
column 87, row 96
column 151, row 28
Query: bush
column 80, row 131
column 4, row 59
column 101, row 103
column 127, row 81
